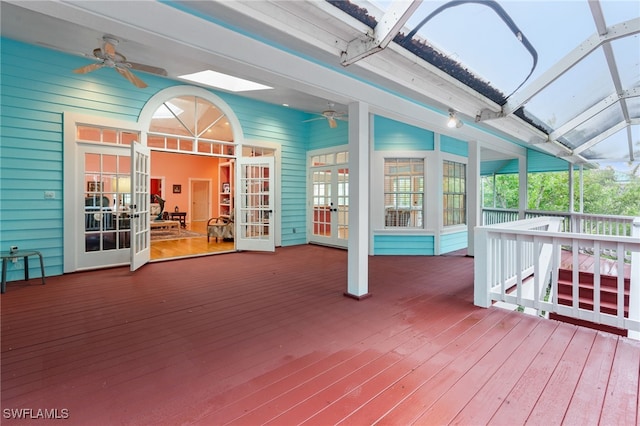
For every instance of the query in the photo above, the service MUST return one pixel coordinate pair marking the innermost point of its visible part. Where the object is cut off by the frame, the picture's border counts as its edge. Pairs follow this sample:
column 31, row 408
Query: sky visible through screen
column 476, row 37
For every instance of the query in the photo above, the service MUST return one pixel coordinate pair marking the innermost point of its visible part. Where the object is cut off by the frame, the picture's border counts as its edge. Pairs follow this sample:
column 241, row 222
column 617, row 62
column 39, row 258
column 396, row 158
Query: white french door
column 329, row 194
column 254, row 215
column 140, row 206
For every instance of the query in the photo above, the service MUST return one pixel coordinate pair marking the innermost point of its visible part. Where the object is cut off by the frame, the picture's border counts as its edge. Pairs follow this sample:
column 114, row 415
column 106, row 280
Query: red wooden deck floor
column 269, row 338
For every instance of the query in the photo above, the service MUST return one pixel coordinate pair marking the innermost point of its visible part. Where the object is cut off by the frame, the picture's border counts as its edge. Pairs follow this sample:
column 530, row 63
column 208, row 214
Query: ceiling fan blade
column 148, row 68
column 332, row 122
column 131, row 77
column 89, row 68
column 109, row 48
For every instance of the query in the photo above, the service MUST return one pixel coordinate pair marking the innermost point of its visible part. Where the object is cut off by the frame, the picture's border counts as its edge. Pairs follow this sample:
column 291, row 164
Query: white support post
column 522, row 186
column 481, row 268
column 474, row 194
column 357, row 257
column 572, row 207
column 634, row 290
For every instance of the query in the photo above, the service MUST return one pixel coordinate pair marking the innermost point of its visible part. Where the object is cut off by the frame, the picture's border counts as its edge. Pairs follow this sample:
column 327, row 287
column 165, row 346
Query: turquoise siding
column 454, row 146
column 539, row 162
column 391, row 135
column 408, row 245
column 38, row 86
column 536, row 162
column 453, row 242
column 498, row 167
column 322, row 136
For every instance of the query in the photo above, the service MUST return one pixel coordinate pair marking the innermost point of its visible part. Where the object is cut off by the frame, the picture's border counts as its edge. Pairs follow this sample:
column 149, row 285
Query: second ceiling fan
column 331, row 116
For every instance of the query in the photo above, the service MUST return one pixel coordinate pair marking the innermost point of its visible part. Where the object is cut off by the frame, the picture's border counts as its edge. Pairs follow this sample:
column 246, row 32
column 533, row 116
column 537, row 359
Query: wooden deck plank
column 333, row 403
column 444, row 409
column 517, row 406
column 620, row 405
column 487, row 400
column 435, row 357
column 556, row 396
column 587, row 400
column 182, row 342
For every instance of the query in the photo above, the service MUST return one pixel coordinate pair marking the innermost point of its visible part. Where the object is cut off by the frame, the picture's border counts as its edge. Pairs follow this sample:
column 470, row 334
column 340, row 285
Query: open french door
column 140, row 206
column 254, row 217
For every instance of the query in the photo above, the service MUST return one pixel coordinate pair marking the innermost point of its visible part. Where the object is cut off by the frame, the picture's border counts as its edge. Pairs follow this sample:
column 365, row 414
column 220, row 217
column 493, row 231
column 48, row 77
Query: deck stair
column 608, row 297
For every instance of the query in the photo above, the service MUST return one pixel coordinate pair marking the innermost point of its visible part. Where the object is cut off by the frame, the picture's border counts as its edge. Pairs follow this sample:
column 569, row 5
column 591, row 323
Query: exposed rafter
column 393, row 20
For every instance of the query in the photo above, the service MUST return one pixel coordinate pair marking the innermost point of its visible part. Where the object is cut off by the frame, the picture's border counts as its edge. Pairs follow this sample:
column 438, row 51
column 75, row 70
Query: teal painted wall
column 453, row 242
column 539, row 162
column 38, row 86
column 408, row 245
column 454, row 146
column 322, row 136
column 391, row 135
column 498, row 167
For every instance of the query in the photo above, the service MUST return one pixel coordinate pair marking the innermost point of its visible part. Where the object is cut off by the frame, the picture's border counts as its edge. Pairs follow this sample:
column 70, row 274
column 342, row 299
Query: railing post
column 480, row 268
column 634, row 290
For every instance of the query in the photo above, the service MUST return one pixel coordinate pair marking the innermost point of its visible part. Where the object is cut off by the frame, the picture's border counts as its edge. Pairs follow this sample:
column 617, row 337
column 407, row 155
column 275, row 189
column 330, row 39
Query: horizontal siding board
column 540, row 162
column 27, row 133
column 29, row 122
column 453, row 242
column 7, row 112
column 391, row 135
column 10, row 153
column 454, row 146
column 403, row 245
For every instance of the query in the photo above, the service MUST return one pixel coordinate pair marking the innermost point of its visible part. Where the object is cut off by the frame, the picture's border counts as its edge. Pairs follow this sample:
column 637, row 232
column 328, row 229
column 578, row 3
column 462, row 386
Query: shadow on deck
column 268, row 338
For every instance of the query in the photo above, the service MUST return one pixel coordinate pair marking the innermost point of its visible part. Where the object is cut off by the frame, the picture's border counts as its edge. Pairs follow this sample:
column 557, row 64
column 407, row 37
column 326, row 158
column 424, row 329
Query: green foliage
column 507, row 193
column 605, row 192
column 548, row 191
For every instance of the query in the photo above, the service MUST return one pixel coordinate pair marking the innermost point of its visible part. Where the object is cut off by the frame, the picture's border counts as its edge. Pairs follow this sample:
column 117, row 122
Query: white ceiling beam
column 596, row 11
column 387, row 28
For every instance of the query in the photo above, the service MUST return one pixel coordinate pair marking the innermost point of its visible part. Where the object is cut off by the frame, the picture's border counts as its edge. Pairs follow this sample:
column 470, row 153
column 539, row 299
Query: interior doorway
column 200, row 200
column 190, row 184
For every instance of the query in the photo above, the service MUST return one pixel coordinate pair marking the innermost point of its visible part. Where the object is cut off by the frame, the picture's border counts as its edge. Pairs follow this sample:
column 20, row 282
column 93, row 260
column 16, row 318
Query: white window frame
column 377, row 206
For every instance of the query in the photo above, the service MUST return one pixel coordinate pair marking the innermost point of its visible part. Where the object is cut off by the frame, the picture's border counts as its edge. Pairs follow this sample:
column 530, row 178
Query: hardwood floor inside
column 191, row 246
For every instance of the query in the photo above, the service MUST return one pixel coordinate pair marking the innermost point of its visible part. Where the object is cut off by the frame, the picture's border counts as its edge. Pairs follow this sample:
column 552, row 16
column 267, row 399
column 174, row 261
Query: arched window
column 191, row 124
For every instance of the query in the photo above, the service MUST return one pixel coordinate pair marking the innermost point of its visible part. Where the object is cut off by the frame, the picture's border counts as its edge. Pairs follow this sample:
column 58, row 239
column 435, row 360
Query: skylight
column 224, row 81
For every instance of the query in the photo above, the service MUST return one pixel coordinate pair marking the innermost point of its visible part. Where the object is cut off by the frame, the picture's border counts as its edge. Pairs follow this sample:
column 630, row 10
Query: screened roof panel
column 628, row 65
column 578, row 89
column 593, row 127
column 479, row 38
column 616, row 145
column 633, row 105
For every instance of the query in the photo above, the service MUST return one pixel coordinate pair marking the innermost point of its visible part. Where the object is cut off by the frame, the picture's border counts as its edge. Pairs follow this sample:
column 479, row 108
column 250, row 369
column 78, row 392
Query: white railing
column 507, row 255
column 581, row 223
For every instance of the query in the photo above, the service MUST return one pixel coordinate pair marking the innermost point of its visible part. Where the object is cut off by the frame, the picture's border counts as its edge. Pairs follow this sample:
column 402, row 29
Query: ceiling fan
column 331, row 116
column 110, row 58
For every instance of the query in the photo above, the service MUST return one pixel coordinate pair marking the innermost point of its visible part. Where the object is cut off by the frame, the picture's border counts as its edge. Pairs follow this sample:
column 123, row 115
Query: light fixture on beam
column 453, row 121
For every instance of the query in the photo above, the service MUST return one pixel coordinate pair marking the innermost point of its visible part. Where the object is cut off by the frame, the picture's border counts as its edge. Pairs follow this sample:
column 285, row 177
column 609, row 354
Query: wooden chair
column 397, row 218
column 220, row 227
